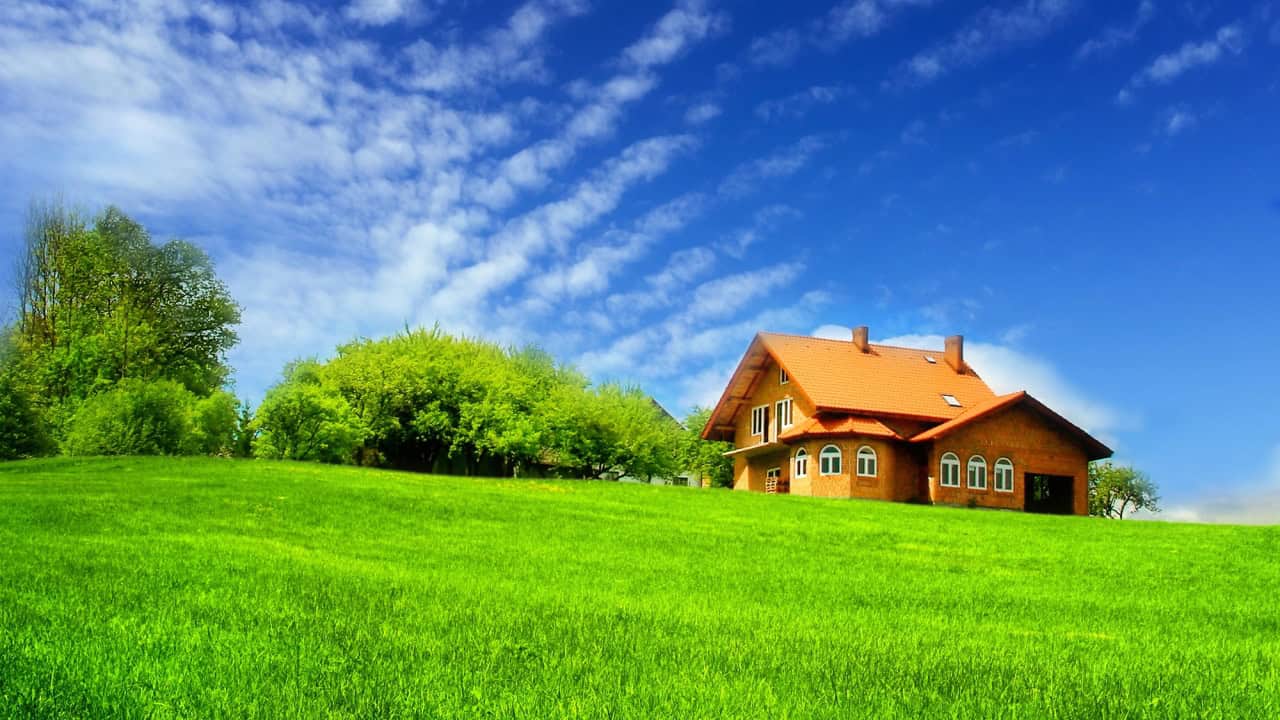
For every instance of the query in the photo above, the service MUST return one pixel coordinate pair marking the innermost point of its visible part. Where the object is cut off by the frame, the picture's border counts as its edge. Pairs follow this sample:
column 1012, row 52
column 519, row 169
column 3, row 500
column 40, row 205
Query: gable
column 1035, row 416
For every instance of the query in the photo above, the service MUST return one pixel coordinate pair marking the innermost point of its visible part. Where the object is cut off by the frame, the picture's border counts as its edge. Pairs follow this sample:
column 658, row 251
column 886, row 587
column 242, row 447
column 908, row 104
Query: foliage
column 135, row 417
column 213, row 425
column 1118, row 489
column 23, row 432
column 325, row 591
column 98, row 302
column 300, row 419
column 705, row 458
column 245, row 433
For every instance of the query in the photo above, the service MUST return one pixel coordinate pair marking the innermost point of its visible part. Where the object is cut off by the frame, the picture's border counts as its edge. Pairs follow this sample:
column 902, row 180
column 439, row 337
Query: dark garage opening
column 1050, row 494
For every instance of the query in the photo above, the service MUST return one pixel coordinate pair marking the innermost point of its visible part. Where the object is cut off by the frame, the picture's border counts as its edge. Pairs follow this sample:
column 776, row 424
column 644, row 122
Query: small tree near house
column 1115, row 490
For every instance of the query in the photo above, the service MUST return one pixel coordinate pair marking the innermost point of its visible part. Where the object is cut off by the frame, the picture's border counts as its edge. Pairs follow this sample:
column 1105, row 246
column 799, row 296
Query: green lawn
column 211, row 588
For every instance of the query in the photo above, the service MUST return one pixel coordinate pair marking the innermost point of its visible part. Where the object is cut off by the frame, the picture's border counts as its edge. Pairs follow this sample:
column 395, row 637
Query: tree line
column 118, row 346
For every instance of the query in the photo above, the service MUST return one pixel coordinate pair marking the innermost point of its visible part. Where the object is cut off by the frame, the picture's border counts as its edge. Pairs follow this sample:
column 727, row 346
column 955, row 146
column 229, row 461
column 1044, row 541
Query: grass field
column 208, row 588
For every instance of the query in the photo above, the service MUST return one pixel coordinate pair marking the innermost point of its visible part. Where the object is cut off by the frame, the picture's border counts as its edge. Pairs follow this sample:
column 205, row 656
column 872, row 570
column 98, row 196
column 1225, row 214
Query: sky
column 1088, row 191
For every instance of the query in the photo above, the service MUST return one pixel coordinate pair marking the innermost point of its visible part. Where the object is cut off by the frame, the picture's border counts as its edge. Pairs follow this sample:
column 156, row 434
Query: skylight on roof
column 951, row 400
column 931, row 359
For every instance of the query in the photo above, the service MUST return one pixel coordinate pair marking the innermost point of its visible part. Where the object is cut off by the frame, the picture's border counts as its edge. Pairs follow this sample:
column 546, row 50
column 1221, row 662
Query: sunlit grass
column 207, row 588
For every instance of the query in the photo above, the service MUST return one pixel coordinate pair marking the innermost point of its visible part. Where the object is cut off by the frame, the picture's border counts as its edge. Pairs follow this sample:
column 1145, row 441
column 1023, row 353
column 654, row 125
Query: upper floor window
column 950, row 470
column 783, row 377
column 867, row 465
column 1004, row 475
column 784, row 414
column 829, row 460
column 977, row 473
column 759, row 419
column 802, row 463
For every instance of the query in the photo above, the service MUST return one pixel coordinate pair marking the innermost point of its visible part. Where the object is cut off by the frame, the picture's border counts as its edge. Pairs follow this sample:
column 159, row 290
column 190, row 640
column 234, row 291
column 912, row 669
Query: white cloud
column 780, row 163
column 686, row 24
column 1007, row 370
column 763, row 221
column 797, row 105
column 1254, row 503
column 991, row 31
column 832, row 332
column 846, row 21
column 701, row 112
column 382, row 12
column 1228, row 40
column 1177, row 119
column 1114, row 37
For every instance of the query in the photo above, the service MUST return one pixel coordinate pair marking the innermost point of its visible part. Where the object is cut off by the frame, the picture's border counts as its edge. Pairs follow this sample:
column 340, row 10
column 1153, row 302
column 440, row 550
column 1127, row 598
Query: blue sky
column 1089, row 191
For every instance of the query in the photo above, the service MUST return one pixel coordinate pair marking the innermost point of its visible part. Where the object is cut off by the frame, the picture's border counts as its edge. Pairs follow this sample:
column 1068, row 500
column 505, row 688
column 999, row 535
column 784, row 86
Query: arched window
column 977, row 473
column 802, row 463
column 867, row 466
column 950, row 470
column 829, row 460
column 1004, row 475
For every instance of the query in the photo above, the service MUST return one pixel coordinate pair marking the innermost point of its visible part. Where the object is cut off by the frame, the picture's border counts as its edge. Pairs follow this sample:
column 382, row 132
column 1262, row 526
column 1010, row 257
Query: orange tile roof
column 1095, row 448
column 833, row 425
column 888, row 380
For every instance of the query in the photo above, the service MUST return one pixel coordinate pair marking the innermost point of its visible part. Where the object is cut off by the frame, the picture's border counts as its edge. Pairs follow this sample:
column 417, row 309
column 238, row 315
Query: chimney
column 954, row 353
column 860, row 338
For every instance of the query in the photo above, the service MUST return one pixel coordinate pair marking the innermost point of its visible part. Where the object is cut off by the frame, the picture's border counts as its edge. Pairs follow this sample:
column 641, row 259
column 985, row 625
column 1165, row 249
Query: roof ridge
column 849, row 342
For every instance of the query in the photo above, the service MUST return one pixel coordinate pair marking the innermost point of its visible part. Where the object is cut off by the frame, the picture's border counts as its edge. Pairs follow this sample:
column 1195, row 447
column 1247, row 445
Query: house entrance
column 1049, row 494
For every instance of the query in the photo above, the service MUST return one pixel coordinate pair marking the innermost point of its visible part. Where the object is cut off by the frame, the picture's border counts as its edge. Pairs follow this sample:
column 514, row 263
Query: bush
column 23, row 432
column 133, row 418
column 214, row 422
column 299, row 419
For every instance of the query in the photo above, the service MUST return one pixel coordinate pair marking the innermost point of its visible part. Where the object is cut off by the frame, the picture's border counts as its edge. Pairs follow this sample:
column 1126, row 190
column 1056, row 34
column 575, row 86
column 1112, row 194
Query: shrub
column 23, row 432
column 133, row 418
column 299, row 419
column 213, row 425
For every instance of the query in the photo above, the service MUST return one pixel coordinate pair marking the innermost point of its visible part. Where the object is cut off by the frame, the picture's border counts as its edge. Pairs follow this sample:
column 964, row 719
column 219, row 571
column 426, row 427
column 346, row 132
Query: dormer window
column 951, row 400
column 783, row 377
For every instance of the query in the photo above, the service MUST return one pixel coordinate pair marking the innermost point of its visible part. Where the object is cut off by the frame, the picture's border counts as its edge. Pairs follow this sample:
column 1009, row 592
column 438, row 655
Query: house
column 849, row 418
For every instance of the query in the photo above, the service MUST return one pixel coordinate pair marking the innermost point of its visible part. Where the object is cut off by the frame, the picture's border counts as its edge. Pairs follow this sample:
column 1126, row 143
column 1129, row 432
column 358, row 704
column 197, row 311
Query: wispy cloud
column 847, row 21
column 991, row 31
column 702, row 112
column 685, row 25
column 780, row 163
column 1114, row 37
column 797, row 105
column 1228, row 40
column 385, row 12
column 1177, row 119
column 764, row 221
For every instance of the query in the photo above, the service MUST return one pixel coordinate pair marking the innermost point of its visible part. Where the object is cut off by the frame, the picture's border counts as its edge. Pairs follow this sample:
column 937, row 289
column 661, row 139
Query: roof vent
column 951, row 400
column 931, row 359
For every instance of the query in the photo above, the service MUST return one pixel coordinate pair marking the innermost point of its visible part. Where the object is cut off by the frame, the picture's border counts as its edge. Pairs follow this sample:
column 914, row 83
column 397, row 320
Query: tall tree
column 1115, row 490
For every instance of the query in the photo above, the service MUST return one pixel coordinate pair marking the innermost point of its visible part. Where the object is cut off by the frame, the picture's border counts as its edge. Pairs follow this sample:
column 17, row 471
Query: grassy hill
column 207, row 588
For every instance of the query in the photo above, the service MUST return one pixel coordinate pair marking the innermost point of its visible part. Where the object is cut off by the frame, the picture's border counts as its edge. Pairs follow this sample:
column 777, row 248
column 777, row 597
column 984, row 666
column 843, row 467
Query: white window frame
column 976, row 462
column 782, row 409
column 872, row 461
column 825, row 460
column 951, row 400
column 1004, row 467
column 800, row 464
column 949, row 460
column 759, row 419
column 783, row 377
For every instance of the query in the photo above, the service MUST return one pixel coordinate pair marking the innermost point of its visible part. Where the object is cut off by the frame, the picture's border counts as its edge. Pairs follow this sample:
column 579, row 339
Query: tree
column 136, row 417
column 1118, row 489
column 23, row 432
column 98, row 303
column 300, row 419
column 705, row 457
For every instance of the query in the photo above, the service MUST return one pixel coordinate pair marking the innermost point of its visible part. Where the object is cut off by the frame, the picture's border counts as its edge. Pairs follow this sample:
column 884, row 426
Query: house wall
column 769, row 391
column 1031, row 444
column 893, row 463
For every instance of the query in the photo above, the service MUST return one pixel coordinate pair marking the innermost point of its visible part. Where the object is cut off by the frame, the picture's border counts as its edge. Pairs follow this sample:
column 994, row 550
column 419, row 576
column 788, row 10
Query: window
column 950, row 470
column 802, row 463
column 783, row 377
column 759, row 419
column 867, row 462
column 951, row 400
column 931, row 359
column 829, row 460
column 1004, row 475
column 784, row 414
column 977, row 473
column 771, row 479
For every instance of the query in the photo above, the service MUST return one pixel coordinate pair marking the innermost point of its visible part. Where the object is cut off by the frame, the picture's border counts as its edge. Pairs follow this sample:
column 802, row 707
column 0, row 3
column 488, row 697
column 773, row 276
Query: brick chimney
column 860, row 338
column 954, row 353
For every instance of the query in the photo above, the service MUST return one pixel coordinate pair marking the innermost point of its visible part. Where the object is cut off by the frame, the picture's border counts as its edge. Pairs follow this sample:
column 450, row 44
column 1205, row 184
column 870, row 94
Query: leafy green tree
column 136, row 417
column 99, row 302
column 23, row 432
column 213, row 425
column 705, row 458
column 245, row 433
column 1118, row 489
column 300, row 419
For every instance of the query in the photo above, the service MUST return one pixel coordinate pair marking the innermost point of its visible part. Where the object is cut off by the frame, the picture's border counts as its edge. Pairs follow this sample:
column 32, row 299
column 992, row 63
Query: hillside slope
column 181, row 587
